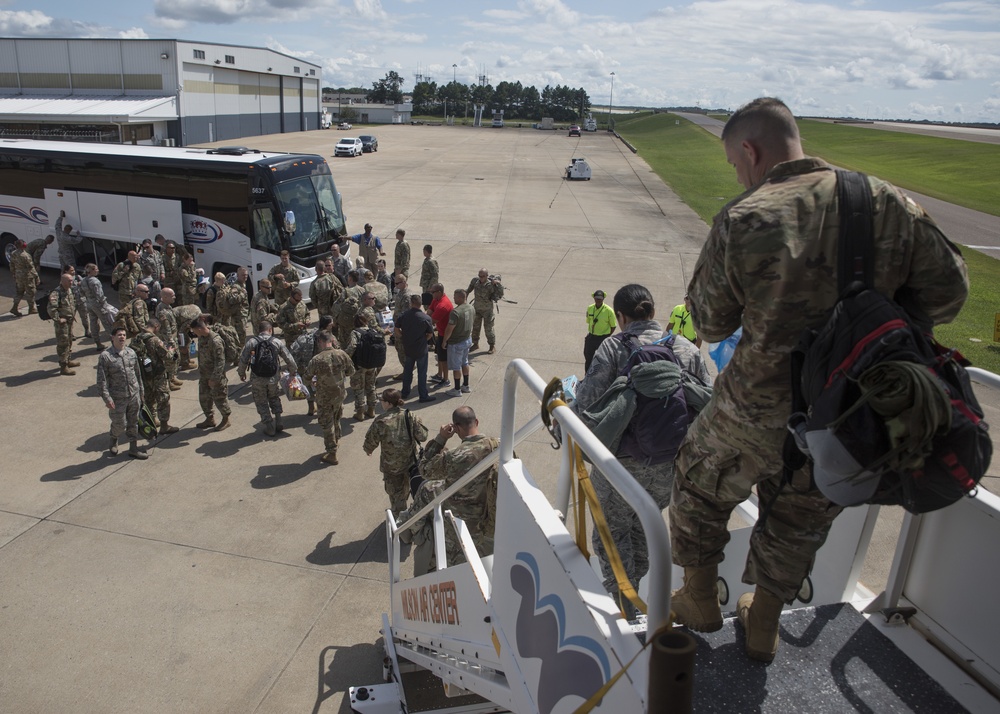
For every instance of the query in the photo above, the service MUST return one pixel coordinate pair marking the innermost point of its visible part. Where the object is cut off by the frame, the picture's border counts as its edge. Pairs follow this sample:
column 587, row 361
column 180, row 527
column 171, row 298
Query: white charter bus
column 230, row 206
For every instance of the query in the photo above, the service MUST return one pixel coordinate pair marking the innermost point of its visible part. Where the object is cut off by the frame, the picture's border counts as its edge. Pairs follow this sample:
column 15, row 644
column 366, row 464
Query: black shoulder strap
column 856, row 248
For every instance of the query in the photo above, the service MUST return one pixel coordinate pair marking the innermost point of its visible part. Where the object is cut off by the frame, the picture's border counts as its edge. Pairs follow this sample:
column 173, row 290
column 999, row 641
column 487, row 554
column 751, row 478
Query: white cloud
column 932, row 111
column 24, row 22
column 133, row 33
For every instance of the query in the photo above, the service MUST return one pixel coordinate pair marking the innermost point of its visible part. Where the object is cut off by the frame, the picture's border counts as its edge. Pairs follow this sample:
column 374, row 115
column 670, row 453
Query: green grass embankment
column 692, row 162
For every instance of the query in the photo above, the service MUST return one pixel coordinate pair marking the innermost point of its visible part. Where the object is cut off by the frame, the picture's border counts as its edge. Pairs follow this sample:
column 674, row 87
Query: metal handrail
column 650, row 516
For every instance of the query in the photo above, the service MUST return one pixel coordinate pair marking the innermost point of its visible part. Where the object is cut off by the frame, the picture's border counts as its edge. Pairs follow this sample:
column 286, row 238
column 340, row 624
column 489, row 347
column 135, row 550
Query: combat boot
column 759, row 613
column 269, row 428
column 176, row 382
column 72, row 363
column 330, row 457
column 167, row 429
column 174, row 387
column 13, row 309
column 359, row 415
column 100, row 346
column 312, row 408
column 278, row 426
column 696, row 604
column 113, row 448
column 492, row 350
column 224, row 424
column 370, row 414
column 65, row 370
column 209, row 422
column 32, row 310
column 475, row 346
column 134, row 452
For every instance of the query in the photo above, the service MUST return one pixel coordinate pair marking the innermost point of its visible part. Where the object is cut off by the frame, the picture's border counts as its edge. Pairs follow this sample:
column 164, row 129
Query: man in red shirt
column 440, row 310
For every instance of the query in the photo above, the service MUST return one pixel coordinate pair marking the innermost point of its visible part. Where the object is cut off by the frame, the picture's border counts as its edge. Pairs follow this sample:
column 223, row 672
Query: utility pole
column 611, row 100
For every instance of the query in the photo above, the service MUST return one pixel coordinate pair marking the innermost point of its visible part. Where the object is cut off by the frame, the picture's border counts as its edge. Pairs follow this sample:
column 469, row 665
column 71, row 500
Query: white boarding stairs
column 530, row 628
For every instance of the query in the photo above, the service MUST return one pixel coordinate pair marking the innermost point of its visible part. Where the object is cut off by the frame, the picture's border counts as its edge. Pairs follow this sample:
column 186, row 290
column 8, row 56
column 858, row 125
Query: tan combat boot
column 759, row 612
column 65, row 370
column 492, row 350
column 359, row 415
column 134, row 452
column 113, row 447
column 224, row 424
column 173, row 387
column 330, row 457
column 370, row 414
column 167, row 429
column 209, row 422
column 72, row 363
column 13, row 310
column 696, row 604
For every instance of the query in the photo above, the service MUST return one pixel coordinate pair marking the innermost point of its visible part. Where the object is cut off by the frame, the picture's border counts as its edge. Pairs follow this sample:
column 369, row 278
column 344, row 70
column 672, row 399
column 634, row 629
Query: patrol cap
column 599, row 294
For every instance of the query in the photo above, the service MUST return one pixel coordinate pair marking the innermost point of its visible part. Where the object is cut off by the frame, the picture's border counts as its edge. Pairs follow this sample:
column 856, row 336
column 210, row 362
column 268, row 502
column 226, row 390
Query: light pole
column 611, row 100
column 454, row 69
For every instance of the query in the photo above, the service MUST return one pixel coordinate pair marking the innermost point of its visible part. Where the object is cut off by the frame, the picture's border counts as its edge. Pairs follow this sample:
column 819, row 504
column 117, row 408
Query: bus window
column 299, row 197
column 266, row 235
column 328, row 202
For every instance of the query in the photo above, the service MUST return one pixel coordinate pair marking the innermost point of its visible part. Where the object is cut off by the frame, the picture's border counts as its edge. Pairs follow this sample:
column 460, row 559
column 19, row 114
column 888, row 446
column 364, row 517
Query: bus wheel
column 7, row 243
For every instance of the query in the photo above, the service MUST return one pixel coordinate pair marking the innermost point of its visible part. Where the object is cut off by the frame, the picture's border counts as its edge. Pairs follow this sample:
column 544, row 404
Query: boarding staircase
column 531, row 629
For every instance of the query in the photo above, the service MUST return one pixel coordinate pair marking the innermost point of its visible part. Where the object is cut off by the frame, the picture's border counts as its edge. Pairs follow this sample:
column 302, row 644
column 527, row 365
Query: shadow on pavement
column 347, row 664
column 274, row 475
column 77, row 471
column 19, row 380
column 349, row 553
column 221, row 449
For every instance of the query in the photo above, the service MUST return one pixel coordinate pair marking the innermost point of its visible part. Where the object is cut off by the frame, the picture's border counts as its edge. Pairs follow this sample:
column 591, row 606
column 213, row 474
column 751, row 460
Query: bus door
column 265, row 241
column 56, row 201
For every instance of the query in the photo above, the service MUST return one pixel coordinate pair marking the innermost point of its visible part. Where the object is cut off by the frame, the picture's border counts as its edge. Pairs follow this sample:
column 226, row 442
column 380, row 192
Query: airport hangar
column 169, row 92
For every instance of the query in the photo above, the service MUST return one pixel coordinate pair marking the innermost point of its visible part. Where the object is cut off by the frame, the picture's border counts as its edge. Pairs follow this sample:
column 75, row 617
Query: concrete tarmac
column 236, row 573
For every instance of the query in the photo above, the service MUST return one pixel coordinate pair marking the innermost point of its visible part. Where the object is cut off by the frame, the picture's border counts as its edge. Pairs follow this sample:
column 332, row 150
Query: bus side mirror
column 289, row 222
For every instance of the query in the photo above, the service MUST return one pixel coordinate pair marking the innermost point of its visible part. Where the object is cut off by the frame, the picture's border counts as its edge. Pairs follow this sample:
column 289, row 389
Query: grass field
column 692, row 162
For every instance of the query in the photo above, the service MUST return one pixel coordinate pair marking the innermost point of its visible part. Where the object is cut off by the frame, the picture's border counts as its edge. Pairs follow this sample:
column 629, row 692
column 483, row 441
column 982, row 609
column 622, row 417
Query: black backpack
column 264, row 361
column 370, row 351
column 660, row 423
column 847, row 376
column 42, row 305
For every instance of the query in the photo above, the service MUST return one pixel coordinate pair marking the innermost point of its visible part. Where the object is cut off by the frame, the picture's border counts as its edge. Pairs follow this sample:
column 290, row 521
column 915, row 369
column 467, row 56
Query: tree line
column 562, row 103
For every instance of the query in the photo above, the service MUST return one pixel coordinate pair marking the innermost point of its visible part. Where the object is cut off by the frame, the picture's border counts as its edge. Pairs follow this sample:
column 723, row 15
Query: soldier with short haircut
column 81, row 300
column 428, row 270
column 238, row 305
column 399, row 433
column 265, row 389
column 135, row 313
column 98, row 310
column 321, row 289
column 62, row 308
column 127, row 275
column 401, row 258
column 363, row 379
column 68, row 238
column 484, row 292
column 400, row 304
column 769, row 265
column 185, row 315
column 303, row 350
column 212, row 383
column 37, row 247
column 213, row 295
column 292, row 317
column 173, row 260
column 327, row 371
column 284, row 277
column 119, row 381
column 475, row 504
column 170, row 336
column 153, row 261
column 153, row 367
column 341, row 265
column 262, row 307
column 25, row 279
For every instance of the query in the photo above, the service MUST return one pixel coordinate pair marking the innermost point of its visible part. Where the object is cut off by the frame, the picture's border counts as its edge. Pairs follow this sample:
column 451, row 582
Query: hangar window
column 312, row 73
column 296, row 70
column 199, row 54
column 230, row 59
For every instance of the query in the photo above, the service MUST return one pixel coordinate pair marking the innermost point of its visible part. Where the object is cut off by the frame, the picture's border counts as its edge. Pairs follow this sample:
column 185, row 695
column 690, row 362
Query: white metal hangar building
column 152, row 91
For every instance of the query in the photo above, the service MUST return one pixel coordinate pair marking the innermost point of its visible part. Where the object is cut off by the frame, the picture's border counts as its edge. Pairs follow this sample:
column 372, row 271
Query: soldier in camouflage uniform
column 399, row 432
column 475, row 503
column 127, row 274
column 135, row 313
column 62, row 308
column 155, row 382
column 292, row 317
column 149, row 258
column 173, row 260
column 25, row 279
column 262, row 307
column 635, row 309
column 119, row 381
column 421, row 534
column 347, row 308
column 37, row 247
column 303, row 350
column 67, row 237
column 380, row 291
column 188, row 278
column 168, row 333
column 265, row 390
column 79, row 297
column 212, row 383
column 400, row 304
column 486, row 292
column 98, row 314
column 241, row 316
column 325, row 376
column 428, row 270
column 185, row 315
column 401, row 258
column 363, row 379
column 320, row 290
column 770, row 265
column 289, row 279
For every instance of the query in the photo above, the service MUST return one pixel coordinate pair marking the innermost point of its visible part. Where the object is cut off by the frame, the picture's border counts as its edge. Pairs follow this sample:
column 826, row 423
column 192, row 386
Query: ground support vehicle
column 578, row 170
column 230, row 207
column 530, row 628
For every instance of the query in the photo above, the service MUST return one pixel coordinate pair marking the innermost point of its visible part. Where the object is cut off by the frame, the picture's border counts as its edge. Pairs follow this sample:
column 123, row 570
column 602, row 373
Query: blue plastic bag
column 722, row 352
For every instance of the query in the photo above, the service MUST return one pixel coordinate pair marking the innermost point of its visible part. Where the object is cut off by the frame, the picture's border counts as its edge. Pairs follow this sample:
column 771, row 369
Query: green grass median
column 691, row 161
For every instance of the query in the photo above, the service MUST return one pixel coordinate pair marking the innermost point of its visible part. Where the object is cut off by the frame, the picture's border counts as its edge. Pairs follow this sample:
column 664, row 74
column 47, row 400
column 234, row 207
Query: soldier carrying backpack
column 615, row 363
column 262, row 354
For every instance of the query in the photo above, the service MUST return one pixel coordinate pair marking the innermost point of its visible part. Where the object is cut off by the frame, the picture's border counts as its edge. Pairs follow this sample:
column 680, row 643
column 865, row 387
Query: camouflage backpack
column 228, row 300
column 230, row 340
column 149, row 363
column 347, row 309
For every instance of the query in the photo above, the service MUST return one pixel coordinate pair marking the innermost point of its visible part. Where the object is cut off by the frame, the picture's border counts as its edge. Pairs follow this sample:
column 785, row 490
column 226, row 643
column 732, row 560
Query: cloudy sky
column 868, row 58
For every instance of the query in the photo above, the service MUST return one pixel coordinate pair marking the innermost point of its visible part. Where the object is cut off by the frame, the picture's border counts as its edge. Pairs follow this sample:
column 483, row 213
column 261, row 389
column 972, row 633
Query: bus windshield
column 318, row 222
